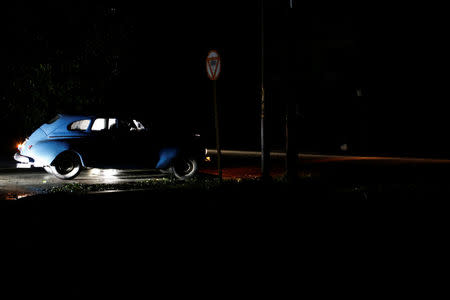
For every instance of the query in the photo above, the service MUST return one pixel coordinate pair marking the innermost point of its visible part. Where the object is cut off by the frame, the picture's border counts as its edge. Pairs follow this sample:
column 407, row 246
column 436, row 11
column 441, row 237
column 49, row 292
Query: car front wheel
column 185, row 168
column 66, row 166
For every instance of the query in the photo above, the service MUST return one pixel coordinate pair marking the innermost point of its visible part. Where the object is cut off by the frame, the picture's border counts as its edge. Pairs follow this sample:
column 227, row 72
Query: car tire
column 66, row 166
column 48, row 169
column 184, row 168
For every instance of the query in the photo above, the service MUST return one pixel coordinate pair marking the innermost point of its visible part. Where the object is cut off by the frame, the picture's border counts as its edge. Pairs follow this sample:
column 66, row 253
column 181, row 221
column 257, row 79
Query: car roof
column 102, row 115
column 60, row 124
column 74, row 117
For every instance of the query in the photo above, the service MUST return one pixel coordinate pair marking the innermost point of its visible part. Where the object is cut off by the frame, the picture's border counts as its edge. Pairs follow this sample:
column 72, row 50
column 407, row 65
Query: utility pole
column 363, row 122
column 291, row 124
column 265, row 148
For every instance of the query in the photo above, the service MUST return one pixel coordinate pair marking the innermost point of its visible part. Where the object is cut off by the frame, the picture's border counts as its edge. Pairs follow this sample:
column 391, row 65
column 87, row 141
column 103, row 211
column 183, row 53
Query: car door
column 132, row 141
column 102, row 144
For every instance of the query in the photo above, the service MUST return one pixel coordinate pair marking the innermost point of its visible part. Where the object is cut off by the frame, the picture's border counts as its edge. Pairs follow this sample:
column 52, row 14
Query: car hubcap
column 184, row 167
column 65, row 165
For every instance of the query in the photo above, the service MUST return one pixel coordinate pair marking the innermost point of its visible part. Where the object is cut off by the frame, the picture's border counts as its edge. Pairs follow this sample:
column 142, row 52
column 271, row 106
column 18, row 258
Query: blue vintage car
column 68, row 143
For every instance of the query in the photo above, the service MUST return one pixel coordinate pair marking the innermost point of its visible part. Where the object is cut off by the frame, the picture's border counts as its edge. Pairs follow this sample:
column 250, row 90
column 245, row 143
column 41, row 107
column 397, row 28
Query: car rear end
column 40, row 148
column 25, row 155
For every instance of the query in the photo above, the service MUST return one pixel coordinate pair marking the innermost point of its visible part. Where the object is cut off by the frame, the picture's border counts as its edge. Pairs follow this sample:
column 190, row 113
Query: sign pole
column 216, row 115
column 213, row 68
column 265, row 151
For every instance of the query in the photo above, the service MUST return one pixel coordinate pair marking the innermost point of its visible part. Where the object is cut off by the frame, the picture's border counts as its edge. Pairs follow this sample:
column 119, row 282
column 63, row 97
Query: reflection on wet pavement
column 18, row 183
column 96, row 176
column 16, row 195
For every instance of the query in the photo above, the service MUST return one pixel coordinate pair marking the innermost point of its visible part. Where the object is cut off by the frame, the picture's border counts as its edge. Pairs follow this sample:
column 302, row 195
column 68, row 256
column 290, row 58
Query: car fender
column 166, row 156
column 45, row 152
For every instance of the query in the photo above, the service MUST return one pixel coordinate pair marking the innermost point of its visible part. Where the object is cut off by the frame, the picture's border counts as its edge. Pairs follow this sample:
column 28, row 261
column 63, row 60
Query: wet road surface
column 16, row 183
column 339, row 168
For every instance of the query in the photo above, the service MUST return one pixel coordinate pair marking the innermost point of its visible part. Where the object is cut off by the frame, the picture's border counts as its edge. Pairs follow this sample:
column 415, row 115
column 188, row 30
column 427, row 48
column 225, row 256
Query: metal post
column 265, row 151
column 291, row 132
column 291, row 142
column 216, row 113
column 363, row 122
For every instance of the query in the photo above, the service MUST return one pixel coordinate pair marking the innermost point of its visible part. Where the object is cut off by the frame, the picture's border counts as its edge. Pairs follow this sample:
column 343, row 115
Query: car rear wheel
column 184, row 168
column 66, row 166
column 48, row 170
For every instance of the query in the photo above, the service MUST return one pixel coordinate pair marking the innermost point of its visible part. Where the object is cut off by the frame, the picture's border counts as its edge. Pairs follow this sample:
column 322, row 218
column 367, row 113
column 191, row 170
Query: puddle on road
column 14, row 195
column 20, row 185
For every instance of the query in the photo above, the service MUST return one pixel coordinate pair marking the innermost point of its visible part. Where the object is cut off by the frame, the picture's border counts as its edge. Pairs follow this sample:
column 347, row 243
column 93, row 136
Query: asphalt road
column 336, row 168
column 17, row 183
column 239, row 226
column 387, row 228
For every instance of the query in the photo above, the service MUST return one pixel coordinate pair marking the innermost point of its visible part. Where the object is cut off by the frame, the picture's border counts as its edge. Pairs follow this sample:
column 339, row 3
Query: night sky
column 151, row 59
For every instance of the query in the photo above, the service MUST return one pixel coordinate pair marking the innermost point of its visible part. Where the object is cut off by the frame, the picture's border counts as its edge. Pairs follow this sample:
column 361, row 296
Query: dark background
column 85, row 57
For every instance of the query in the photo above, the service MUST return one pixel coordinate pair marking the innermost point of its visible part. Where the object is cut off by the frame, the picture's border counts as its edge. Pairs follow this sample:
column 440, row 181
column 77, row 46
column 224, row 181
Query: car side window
column 80, row 125
column 125, row 125
column 138, row 125
column 112, row 123
column 99, row 124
